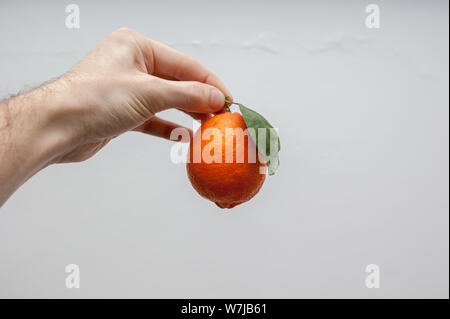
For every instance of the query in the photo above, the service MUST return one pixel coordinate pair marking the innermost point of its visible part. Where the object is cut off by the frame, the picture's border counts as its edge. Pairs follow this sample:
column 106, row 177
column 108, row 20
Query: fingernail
column 216, row 99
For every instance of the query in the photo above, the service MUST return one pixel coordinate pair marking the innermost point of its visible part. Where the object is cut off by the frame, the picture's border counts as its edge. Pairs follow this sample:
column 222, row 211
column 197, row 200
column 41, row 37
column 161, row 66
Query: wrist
column 29, row 137
column 36, row 121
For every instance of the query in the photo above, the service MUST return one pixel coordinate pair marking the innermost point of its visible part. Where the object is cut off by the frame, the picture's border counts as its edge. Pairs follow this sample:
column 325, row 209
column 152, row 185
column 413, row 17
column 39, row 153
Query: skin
column 118, row 87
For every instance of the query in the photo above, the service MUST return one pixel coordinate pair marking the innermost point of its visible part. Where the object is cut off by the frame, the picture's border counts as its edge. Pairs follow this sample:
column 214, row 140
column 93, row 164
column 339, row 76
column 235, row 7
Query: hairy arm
column 120, row 86
column 29, row 138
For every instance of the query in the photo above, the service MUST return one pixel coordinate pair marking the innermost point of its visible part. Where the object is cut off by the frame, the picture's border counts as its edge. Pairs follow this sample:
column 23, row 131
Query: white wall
column 363, row 119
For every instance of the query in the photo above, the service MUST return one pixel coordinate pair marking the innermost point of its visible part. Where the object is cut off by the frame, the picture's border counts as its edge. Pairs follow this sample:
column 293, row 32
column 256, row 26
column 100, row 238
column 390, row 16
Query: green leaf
column 256, row 121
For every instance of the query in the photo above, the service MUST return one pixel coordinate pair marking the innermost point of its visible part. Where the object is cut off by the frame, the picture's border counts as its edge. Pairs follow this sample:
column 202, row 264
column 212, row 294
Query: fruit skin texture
column 226, row 184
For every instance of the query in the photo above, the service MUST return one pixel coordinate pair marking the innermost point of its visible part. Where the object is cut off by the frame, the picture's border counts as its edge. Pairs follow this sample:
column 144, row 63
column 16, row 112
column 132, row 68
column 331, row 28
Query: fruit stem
column 228, row 103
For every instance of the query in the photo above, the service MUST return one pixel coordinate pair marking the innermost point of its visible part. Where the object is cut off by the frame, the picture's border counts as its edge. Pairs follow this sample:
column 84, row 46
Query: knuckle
column 122, row 35
column 124, row 30
column 123, row 41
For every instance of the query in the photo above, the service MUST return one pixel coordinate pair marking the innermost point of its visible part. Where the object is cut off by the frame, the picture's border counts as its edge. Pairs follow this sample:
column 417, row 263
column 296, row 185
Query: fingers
column 165, row 77
column 170, row 63
column 160, row 128
column 182, row 81
column 185, row 95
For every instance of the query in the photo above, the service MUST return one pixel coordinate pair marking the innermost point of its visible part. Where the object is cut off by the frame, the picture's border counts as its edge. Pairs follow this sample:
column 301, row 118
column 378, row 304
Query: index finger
column 164, row 60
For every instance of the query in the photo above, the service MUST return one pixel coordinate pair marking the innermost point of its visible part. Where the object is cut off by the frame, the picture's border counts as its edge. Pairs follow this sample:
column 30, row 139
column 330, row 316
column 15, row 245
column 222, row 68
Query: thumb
column 189, row 96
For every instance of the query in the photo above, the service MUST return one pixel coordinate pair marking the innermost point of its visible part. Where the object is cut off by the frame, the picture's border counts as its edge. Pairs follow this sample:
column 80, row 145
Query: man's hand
column 118, row 87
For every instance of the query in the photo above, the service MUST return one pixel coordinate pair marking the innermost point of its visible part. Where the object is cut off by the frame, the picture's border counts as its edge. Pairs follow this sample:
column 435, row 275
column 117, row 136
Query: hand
column 124, row 82
column 118, row 87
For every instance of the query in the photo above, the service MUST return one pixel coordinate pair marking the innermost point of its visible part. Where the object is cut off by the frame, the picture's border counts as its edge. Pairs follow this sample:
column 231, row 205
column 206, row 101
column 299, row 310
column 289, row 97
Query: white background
column 363, row 119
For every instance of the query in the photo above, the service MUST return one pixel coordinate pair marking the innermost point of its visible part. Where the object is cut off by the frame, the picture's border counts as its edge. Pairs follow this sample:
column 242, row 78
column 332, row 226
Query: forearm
column 118, row 87
column 29, row 138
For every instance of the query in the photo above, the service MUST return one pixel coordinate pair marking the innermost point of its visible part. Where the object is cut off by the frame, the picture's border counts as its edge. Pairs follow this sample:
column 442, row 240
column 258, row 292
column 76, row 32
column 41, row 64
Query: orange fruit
column 227, row 183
